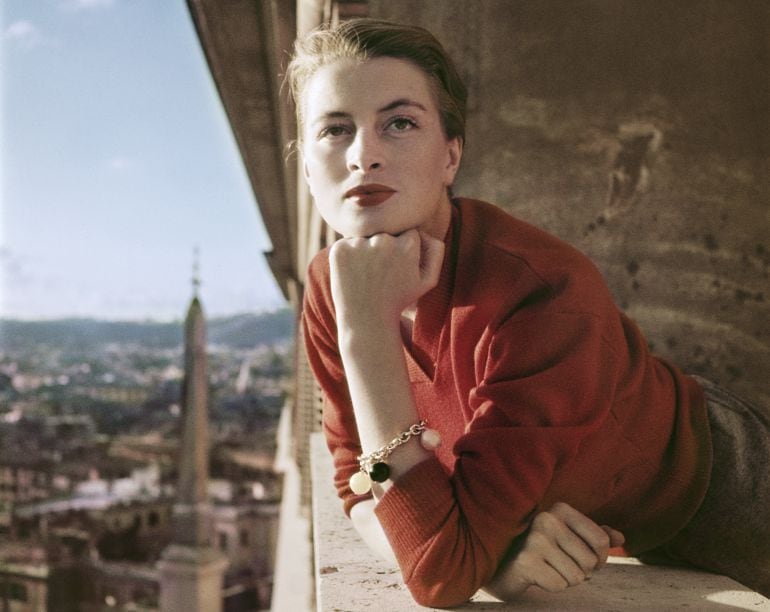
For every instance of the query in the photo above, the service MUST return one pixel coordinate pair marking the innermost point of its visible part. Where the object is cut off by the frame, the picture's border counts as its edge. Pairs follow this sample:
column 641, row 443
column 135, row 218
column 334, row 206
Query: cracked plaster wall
column 639, row 131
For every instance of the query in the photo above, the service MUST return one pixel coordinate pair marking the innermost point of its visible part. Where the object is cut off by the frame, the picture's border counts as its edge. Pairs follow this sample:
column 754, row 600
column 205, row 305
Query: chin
column 366, row 228
column 363, row 231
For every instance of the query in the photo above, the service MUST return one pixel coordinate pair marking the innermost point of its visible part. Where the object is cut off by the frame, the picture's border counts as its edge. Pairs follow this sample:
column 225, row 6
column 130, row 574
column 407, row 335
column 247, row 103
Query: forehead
column 350, row 86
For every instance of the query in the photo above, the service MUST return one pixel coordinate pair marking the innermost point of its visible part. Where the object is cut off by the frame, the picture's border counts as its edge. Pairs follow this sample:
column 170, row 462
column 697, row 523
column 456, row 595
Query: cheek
column 315, row 171
column 321, row 165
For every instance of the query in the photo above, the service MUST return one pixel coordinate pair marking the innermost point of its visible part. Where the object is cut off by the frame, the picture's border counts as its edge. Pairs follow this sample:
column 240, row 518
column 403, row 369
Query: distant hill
column 238, row 331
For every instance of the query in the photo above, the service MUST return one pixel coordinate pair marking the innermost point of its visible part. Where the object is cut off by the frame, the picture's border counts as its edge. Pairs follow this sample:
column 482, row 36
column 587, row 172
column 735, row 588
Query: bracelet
column 373, row 467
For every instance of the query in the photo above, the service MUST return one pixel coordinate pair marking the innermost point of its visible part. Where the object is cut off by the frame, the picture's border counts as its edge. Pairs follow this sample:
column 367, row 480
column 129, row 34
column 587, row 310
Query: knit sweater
column 542, row 391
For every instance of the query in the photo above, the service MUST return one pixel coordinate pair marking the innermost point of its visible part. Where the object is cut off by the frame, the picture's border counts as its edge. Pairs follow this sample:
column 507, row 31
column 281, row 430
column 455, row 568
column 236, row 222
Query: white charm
column 430, row 439
column 360, row 483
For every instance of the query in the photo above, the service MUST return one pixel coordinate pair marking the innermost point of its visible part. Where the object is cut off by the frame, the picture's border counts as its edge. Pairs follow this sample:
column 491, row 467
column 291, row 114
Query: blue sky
column 117, row 160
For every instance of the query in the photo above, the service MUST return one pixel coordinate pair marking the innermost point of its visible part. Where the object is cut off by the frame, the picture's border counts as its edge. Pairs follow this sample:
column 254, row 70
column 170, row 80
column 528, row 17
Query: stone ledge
column 350, row 578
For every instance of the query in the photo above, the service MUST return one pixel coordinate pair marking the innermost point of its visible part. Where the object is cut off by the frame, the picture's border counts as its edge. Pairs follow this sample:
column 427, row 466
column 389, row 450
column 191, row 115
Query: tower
column 191, row 568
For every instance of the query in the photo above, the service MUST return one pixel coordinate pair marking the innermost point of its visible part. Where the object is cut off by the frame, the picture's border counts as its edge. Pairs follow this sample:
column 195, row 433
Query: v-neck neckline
column 427, row 329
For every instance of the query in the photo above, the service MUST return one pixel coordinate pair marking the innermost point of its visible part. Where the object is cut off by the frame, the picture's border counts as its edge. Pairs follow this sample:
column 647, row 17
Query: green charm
column 379, row 472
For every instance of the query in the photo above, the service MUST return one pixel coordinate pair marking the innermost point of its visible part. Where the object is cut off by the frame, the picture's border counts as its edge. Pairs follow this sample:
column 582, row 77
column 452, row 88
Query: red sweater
column 542, row 391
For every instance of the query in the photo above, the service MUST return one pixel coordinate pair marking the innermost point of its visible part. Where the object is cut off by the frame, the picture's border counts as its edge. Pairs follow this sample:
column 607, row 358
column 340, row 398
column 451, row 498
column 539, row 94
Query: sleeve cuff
column 415, row 507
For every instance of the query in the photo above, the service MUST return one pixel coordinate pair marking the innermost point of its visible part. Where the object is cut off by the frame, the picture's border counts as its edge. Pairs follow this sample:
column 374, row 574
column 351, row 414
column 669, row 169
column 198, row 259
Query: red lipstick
column 369, row 195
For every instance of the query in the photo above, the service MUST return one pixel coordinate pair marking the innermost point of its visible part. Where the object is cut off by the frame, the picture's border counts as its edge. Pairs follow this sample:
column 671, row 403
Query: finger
column 567, row 567
column 572, row 545
column 553, row 580
column 378, row 240
column 409, row 238
column 561, row 549
column 553, row 537
column 596, row 538
column 534, row 569
column 616, row 538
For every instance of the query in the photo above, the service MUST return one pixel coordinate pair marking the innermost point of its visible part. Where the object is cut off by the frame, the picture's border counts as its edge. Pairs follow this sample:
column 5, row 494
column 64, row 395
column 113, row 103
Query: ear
column 454, row 155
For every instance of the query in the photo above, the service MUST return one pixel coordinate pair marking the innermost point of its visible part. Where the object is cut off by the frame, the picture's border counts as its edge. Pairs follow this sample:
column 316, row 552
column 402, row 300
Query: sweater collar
column 433, row 307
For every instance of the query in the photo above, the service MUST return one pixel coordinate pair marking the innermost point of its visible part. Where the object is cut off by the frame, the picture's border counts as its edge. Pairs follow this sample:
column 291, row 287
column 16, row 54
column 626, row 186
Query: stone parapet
column 350, row 577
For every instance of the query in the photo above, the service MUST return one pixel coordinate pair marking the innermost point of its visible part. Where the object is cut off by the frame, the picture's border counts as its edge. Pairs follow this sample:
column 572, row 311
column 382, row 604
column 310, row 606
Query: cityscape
column 90, row 415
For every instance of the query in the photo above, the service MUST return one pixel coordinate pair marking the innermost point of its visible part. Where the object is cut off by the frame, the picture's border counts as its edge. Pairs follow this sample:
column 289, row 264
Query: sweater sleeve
column 542, row 390
column 544, row 382
column 319, row 330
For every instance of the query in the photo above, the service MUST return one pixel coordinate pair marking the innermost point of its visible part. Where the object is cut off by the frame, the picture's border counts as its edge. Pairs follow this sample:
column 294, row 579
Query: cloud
column 12, row 266
column 87, row 5
column 24, row 33
column 120, row 164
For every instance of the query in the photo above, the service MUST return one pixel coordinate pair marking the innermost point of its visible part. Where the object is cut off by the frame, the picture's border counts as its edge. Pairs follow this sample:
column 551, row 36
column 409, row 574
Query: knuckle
column 407, row 240
column 588, row 564
column 557, row 584
column 546, row 520
column 337, row 251
column 540, row 519
column 537, row 540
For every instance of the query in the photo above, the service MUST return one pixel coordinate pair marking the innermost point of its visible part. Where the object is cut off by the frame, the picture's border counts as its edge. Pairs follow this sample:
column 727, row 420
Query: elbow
column 440, row 593
column 440, row 599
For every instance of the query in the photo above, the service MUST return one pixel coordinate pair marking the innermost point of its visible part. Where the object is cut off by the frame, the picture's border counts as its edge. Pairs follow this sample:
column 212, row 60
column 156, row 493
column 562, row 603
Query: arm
column 462, row 523
column 369, row 333
column 369, row 528
column 562, row 549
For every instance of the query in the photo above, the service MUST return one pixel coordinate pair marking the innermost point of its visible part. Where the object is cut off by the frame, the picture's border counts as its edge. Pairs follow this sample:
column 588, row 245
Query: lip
column 370, row 194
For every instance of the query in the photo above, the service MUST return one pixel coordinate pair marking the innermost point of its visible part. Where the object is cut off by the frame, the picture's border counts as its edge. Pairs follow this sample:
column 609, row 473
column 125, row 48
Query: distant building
column 89, row 523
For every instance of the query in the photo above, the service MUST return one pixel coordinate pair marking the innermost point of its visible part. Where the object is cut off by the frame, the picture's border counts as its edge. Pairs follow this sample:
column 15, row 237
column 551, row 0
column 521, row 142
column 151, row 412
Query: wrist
column 361, row 334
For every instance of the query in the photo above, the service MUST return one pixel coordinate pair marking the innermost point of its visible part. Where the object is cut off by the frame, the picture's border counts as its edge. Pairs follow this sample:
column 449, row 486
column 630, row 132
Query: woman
column 444, row 319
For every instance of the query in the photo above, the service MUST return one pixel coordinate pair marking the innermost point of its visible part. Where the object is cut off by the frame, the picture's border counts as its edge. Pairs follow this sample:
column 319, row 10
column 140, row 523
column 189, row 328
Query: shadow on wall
column 640, row 132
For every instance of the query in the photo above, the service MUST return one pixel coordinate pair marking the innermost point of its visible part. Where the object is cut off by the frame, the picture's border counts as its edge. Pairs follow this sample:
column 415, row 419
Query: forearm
column 380, row 392
column 368, row 527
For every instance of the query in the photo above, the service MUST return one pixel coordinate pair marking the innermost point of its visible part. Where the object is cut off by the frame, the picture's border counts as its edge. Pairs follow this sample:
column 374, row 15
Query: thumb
column 431, row 259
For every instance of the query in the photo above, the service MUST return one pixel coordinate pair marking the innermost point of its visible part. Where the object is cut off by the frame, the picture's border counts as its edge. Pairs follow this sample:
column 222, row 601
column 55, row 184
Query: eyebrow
column 401, row 102
column 388, row 107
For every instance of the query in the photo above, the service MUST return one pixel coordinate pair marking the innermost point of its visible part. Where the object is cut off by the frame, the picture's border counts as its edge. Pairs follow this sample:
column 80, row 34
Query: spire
column 191, row 569
column 196, row 278
column 193, row 513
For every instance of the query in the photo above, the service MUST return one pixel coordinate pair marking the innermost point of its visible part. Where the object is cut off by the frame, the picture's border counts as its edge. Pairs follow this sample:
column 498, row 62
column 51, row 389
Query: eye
column 401, row 124
column 333, row 131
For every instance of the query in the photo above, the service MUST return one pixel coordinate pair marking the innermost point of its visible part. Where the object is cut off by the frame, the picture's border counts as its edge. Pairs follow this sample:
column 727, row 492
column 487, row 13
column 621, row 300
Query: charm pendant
column 379, row 472
column 430, row 439
column 360, row 483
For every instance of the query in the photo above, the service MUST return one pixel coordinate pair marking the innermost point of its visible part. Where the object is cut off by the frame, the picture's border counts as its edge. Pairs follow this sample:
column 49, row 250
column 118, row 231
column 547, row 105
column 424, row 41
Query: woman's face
column 375, row 154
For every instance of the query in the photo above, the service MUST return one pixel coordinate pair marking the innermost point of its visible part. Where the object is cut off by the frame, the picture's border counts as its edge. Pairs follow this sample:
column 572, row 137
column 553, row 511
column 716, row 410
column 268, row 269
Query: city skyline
column 117, row 162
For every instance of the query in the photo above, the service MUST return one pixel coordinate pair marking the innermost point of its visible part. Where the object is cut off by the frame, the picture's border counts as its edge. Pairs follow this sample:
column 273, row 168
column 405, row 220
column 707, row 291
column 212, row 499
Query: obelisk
column 191, row 569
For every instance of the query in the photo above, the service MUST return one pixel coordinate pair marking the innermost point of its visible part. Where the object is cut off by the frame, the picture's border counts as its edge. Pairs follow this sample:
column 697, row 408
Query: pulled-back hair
column 362, row 39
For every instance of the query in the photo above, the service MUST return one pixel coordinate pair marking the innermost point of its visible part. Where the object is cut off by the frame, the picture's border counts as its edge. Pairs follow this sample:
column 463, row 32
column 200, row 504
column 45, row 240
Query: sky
column 117, row 161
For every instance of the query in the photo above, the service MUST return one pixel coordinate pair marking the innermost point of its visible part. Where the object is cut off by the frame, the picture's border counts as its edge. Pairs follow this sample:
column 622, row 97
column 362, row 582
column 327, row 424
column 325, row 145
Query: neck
column 438, row 225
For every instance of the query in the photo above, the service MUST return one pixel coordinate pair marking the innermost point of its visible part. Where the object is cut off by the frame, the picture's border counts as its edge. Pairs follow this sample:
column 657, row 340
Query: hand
column 562, row 548
column 374, row 279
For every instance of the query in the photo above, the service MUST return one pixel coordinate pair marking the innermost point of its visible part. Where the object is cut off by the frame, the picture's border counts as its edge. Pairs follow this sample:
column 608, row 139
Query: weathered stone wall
column 638, row 130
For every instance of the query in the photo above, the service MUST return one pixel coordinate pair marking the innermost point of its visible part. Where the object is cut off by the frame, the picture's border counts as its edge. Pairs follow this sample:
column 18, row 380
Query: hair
column 363, row 39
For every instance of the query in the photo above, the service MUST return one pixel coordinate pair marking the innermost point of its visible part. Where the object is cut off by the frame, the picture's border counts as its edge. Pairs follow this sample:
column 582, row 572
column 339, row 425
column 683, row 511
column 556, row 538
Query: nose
column 364, row 153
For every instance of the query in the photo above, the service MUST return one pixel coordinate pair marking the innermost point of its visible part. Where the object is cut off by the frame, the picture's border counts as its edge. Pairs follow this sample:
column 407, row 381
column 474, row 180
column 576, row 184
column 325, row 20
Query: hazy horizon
column 179, row 318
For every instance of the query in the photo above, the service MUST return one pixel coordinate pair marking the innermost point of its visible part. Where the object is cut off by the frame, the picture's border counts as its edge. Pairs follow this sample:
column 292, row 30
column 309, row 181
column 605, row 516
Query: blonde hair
column 362, row 39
